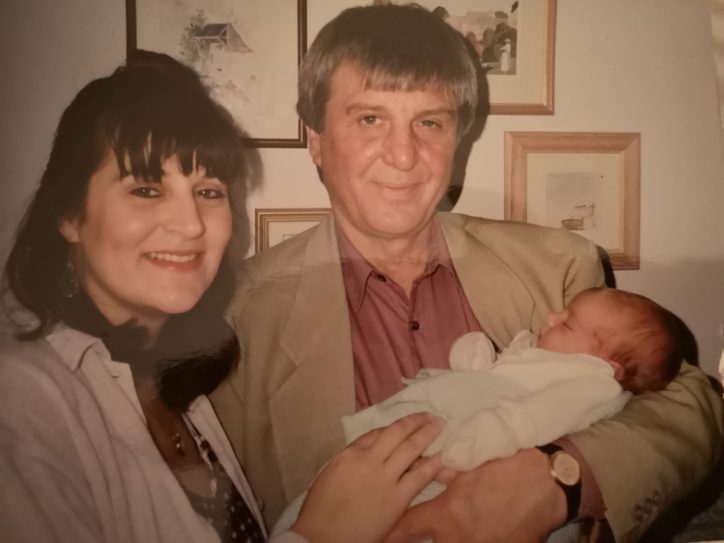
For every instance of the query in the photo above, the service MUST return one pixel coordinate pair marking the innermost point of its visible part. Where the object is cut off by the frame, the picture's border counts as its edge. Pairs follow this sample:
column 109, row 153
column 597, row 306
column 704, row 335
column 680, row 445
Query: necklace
column 174, row 434
column 178, row 444
column 163, row 424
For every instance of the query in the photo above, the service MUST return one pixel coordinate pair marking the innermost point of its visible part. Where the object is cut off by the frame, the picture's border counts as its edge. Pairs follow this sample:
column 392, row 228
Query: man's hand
column 365, row 488
column 510, row 499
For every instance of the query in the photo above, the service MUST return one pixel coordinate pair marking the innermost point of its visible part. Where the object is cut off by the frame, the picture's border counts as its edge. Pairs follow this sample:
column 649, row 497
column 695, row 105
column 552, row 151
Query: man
column 331, row 320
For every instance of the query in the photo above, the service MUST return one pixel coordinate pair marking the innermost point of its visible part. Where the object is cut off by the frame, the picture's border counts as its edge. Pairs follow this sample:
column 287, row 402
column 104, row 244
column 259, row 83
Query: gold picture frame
column 274, row 225
column 588, row 182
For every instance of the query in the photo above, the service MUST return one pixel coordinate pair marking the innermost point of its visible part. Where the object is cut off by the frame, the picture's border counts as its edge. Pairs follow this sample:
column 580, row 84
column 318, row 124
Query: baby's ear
column 618, row 371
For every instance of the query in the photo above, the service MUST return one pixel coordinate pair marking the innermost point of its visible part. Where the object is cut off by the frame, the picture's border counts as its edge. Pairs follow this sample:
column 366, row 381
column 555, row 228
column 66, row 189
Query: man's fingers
column 446, row 476
column 413, row 527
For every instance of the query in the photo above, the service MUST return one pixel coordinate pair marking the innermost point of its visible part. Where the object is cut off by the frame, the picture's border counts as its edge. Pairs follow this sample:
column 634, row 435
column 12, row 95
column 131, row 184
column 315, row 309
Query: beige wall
column 644, row 66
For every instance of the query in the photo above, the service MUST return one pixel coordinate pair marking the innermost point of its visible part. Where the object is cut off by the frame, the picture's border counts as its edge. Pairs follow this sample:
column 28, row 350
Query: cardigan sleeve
column 45, row 494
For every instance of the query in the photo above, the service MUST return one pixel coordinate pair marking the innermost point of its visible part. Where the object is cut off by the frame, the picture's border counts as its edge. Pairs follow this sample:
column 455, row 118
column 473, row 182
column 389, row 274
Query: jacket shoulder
column 30, row 370
column 279, row 259
column 13, row 350
column 269, row 279
column 511, row 236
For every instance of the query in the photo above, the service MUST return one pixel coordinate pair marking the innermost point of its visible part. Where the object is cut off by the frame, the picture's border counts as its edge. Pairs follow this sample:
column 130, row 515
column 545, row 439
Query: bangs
column 199, row 134
column 385, row 80
column 409, row 69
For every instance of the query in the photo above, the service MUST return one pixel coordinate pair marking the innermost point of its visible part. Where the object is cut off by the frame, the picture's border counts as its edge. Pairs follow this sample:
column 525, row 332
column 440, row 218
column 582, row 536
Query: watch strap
column 572, row 492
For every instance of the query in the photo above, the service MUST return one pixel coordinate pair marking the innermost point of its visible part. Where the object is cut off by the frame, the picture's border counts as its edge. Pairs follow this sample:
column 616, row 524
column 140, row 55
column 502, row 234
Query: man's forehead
column 385, row 81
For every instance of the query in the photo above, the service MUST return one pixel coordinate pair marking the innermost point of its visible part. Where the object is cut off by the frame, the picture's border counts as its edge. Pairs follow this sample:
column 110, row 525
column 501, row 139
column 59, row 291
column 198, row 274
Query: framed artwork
column 514, row 42
column 586, row 182
column 247, row 53
column 276, row 225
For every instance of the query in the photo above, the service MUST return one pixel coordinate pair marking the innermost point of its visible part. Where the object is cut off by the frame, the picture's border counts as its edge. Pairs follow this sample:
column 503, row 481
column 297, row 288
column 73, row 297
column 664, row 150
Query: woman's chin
column 179, row 307
column 176, row 305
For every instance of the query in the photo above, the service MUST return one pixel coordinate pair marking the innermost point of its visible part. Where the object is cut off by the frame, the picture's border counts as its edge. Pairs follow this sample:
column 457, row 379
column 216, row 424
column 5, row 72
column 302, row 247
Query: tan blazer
column 282, row 407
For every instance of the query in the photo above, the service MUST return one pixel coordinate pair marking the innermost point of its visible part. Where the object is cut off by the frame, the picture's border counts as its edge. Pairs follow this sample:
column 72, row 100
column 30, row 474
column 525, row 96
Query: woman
column 119, row 268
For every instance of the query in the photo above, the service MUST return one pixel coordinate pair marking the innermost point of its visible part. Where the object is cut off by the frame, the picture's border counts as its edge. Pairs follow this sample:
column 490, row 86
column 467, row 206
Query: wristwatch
column 567, row 473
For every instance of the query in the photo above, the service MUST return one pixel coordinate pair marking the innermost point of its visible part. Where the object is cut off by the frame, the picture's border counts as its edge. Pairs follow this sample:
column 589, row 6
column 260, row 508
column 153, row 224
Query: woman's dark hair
column 145, row 112
column 151, row 109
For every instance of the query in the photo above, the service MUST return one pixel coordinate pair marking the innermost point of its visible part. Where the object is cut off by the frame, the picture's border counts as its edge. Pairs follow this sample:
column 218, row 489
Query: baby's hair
column 645, row 343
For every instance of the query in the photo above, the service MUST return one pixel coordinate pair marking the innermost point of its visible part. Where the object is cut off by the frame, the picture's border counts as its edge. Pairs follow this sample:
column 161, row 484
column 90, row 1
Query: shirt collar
column 357, row 270
column 72, row 346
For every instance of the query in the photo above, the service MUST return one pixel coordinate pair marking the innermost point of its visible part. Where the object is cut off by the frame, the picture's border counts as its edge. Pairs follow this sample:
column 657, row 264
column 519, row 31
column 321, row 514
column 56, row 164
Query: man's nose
column 401, row 148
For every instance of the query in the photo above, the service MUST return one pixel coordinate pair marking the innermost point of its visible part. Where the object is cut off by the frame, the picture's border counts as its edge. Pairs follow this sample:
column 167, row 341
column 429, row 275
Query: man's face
column 386, row 156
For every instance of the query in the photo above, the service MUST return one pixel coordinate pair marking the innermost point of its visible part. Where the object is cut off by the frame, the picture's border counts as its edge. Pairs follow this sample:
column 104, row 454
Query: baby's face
column 576, row 329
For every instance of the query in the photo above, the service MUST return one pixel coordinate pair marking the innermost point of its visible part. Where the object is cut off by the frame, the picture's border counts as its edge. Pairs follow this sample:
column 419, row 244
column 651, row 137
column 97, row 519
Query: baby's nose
column 554, row 317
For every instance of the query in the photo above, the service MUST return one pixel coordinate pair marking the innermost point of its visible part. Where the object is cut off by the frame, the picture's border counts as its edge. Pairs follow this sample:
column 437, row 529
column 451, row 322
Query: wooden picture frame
column 274, row 225
column 526, row 87
column 588, row 182
column 248, row 54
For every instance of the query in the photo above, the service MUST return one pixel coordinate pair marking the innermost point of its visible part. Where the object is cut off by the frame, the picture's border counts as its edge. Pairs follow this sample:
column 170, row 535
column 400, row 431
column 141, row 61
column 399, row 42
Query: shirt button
column 414, row 325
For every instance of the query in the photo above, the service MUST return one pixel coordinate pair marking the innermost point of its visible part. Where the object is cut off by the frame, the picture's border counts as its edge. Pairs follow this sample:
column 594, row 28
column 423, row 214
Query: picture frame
column 229, row 44
column 588, row 182
column 274, row 225
column 526, row 85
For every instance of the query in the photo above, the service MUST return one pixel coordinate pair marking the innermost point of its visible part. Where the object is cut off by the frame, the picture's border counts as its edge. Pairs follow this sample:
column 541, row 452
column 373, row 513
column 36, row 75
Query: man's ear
column 315, row 146
column 69, row 230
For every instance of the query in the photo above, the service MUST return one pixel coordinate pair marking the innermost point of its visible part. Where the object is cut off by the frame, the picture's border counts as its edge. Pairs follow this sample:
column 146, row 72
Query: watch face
column 566, row 468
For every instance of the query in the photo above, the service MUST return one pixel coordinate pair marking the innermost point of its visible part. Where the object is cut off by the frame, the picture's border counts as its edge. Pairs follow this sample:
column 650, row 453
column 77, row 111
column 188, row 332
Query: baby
column 572, row 374
column 584, row 365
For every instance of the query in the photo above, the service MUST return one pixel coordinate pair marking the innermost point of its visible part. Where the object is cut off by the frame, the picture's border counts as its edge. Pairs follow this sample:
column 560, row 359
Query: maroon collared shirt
column 394, row 336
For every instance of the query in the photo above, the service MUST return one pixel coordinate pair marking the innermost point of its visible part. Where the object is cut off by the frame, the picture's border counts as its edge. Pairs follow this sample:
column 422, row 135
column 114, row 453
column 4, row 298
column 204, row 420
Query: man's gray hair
column 395, row 47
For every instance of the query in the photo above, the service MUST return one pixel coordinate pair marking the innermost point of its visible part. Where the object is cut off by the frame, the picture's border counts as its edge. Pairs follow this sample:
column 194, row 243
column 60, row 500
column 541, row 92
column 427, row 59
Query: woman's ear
column 69, row 230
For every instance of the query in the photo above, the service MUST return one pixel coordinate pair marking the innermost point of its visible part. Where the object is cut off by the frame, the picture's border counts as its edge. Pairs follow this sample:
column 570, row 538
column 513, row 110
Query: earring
column 68, row 282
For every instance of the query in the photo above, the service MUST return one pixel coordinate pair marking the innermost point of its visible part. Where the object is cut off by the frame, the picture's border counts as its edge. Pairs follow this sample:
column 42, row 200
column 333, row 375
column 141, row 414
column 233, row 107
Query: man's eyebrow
column 362, row 106
column 359, row 106
column 438, row 111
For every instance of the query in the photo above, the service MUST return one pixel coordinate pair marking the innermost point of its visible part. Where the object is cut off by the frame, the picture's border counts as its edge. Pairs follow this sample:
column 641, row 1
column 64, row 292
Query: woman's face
column 148, row 250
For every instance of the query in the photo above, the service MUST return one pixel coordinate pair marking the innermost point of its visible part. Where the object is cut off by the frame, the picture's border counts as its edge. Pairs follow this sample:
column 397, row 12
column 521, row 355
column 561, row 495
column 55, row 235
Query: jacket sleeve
column 45, row 494
column 655, row 451
column 658, row 448
column 583, row 272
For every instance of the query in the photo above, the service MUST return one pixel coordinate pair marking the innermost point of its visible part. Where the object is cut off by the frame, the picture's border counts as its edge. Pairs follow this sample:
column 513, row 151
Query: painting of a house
column 246, row 53
column 215, row 41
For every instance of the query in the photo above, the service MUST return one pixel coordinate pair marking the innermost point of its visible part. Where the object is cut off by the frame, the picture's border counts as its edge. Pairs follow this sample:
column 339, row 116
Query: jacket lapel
column 496, row 294
column 317, row 339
